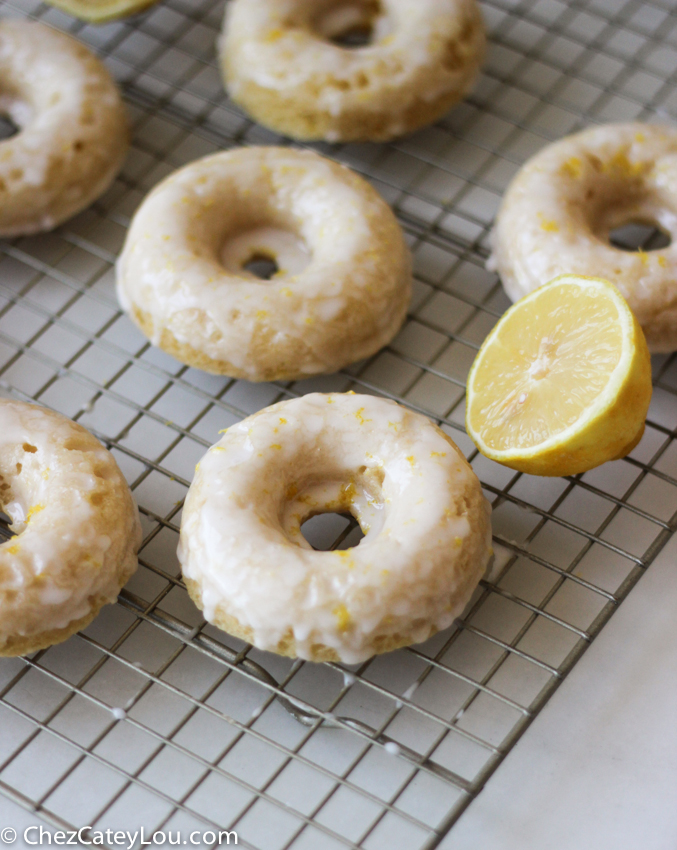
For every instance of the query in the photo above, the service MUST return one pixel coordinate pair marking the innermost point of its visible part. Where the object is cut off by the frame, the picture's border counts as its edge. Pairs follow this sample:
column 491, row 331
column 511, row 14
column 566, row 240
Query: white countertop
column 598, row 767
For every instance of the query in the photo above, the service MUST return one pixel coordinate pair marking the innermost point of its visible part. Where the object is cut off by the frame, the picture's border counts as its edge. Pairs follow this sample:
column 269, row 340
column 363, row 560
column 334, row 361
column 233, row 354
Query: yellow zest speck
column 394, row 425
column 217, row 449
column 276, row 446
column 360, row 418
column 45, row 474
column 261, row 314
column 343, row 618
column 223, row 431
column 35, row 509
column 640, row 137
column 283, row 421
column 274, row 35
column 166, row 238
column 643, row 256
column 458, row 542
column 412, row 460
column 197, row 466
column 330, row 400
column 573, row 167
column 12, row 550
column 662, row 261
column 548, row 225
column 438, row 454
column 385, row 572
column 309, row 320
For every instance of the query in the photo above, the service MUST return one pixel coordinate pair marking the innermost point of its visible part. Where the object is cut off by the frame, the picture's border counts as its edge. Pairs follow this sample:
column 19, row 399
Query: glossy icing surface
column 70, row 548
column 344, row 279
column 560, row 208
column 427, row 525
column 72, row 135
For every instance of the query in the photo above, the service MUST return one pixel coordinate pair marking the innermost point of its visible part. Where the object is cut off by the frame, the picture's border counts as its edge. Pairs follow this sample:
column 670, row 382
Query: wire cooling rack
column 152, row 719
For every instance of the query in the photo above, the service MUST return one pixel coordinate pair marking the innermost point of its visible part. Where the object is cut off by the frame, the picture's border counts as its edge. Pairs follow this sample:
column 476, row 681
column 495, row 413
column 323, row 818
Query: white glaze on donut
column 279, row 62
column 76, row 523
column 73, row 127
column 345, row 277
column 556, row 217
column 427, row 527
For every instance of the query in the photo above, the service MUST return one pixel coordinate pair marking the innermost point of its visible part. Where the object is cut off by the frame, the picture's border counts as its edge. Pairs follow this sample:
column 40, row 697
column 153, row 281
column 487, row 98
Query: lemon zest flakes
column 360, row 418
column 438, row 454
column 458, row 542
column 548, row 225
column 283, row 421
column 262, row 314
column 273, row 35
column 643, row 256
column 573, row 167
column 412, row 460
column 12, row 550
column 217, row 449
column 343, row 618
column 35, row 509
column 662, row 261
column 276, row 446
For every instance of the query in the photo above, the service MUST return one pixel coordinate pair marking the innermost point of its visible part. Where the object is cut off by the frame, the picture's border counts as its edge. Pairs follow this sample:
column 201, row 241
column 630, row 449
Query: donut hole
column 639, row 235
column 349, row 25
column 331, row 531
column 265, row 253
column 8, row 128
column 6, row 533
column 262, row 266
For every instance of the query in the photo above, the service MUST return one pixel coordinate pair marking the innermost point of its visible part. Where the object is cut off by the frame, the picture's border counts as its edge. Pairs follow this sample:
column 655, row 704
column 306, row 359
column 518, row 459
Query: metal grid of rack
column 151, row 718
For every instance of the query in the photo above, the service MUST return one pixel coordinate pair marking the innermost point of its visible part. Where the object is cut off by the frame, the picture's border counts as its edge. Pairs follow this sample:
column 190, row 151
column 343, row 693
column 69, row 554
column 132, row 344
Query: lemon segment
column 563, row 382
column 100, row 11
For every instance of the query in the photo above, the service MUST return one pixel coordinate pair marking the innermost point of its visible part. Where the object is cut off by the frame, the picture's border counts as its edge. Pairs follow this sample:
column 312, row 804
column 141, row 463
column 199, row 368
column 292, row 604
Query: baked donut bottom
column 25, row 645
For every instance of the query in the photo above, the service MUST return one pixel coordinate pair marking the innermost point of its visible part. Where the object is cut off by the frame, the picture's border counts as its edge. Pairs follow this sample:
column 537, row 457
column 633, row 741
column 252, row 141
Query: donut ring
column 77, row 525
column 558, row 212
column 73, row 134
column 344, row 277
column 280, row 65
column 247, row 565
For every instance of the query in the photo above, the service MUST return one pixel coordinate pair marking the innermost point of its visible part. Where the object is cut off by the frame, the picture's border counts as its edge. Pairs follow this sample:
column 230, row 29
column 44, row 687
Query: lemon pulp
column 563, row 381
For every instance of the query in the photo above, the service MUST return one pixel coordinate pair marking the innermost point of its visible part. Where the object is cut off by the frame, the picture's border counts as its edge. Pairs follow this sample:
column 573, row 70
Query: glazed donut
column 344, row 278
column 558, row 212
column 72, row 137
column 280, row 64
column 76, row 523
column 247, row 565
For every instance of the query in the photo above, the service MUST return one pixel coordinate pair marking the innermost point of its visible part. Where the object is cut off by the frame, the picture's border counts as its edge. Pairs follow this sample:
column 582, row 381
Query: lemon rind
column 601, row 404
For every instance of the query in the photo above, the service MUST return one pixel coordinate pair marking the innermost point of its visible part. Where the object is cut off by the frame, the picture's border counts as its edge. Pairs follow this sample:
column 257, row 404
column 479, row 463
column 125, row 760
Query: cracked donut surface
column 76, row 523
column 72, row 127
column 343, row 278
column 557, row 215
column 248, row 567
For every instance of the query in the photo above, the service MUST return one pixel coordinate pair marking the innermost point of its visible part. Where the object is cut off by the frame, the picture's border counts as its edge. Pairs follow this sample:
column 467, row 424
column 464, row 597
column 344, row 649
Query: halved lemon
column 563, row 381
column 100, row 11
